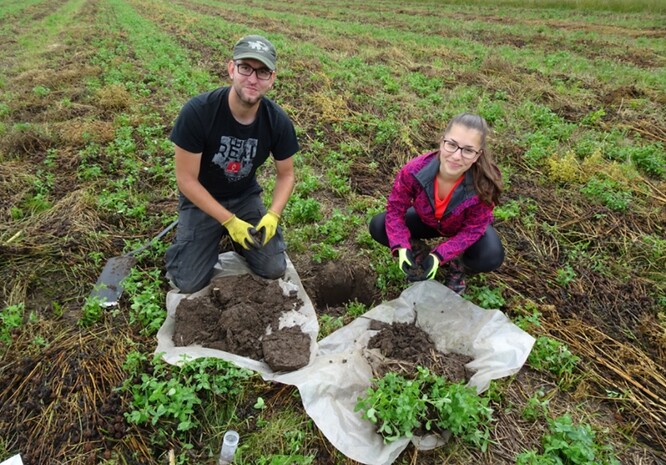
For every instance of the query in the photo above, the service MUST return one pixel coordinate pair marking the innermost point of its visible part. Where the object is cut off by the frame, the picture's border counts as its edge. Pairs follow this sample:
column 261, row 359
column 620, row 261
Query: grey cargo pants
column 193, row 254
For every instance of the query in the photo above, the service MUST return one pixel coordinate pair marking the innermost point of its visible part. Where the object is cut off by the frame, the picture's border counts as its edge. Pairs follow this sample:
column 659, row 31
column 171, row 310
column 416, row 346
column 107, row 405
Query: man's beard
column 242, row 96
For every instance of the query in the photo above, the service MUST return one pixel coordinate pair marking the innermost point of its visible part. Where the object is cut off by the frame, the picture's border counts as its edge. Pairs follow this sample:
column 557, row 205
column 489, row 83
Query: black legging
column 486, row 254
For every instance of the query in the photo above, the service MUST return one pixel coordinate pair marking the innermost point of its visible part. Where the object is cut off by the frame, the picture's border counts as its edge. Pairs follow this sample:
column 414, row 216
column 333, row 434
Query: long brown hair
column 487, row 176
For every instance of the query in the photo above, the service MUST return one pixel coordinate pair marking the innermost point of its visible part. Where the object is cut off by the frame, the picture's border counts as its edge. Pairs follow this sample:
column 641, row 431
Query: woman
column 450, row 193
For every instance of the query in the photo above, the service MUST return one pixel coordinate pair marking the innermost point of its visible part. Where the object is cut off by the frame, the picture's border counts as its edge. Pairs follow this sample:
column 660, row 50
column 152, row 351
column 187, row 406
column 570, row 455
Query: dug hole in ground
column 337, row 370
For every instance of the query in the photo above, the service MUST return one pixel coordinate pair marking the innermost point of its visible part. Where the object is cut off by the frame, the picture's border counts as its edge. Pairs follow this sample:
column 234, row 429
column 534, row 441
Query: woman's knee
column 494, row 259
column 377, row 228
column 486, row 255
column 483, row 264
column 494, row 248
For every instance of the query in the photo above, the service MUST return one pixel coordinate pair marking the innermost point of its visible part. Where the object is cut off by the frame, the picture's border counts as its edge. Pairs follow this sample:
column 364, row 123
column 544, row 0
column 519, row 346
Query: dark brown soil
column 241, row 315
column 335, row 284
column 235, row 316
column 405, row 342
column 420, row 251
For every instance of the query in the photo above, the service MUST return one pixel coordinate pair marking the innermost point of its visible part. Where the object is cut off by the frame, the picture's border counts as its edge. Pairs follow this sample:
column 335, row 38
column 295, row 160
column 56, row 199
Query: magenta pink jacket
column 463, row 223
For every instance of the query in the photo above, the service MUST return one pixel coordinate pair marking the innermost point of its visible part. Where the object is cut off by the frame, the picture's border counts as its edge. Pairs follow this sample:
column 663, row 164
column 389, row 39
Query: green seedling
column 91, row 312
column 529, row 317
column 567, row 443
column 324, row 252
column 41, row 91
column 399, row 406
column 260, row 404
column 608, row 192
column 536, row 407
column 171, row 395
column 302, row 211
column 11, row 318
column 356, row 309
column 552, row 356
column 395, row 405
column 485, row 297
column 565, row 275
column 507, row 211
column 144, row 290
column 329, row 324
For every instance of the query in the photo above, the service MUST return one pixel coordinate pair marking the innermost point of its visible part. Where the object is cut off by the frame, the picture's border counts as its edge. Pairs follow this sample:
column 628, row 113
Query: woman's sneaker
column 455, row 277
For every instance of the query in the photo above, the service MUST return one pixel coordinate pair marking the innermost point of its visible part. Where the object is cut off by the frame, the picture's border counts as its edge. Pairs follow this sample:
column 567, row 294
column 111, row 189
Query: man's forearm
column 199, row 196
column 284, row 186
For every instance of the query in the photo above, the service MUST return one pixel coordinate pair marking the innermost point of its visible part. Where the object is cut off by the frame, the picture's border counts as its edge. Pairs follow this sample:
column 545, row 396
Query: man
column 221, row 138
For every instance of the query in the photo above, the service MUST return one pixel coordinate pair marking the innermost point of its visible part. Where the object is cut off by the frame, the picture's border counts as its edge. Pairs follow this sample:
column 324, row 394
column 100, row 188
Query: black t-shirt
column 232, row 152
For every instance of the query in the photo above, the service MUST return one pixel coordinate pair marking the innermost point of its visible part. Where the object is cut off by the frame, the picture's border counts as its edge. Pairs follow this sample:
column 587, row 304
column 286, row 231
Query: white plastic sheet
column 15, row 460
column 339, row 373
column 231, row 264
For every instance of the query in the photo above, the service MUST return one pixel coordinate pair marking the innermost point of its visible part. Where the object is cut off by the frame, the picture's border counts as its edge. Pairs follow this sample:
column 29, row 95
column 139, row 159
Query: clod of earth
column 420, row 251
column 291, row 341
column 241, row 315
column 258, row 236
column 416, row 272
column 405, row 345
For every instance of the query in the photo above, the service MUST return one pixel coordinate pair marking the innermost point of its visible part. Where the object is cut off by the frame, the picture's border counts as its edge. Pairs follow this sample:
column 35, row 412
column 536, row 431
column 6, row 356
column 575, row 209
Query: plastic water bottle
column 229, row 444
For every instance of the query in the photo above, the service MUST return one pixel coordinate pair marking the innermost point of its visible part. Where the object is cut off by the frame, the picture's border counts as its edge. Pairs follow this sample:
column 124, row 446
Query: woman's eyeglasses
column 452, row 146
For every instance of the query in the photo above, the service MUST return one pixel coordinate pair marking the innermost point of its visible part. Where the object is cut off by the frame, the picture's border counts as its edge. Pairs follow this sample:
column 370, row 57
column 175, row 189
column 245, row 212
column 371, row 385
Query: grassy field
column 575, row 93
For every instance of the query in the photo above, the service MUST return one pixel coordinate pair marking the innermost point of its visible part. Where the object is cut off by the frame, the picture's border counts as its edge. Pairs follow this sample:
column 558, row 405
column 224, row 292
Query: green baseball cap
column 258, row 48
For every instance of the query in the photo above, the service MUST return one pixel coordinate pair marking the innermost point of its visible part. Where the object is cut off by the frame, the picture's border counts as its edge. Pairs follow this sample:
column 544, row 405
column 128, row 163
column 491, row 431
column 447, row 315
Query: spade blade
column 108, row 288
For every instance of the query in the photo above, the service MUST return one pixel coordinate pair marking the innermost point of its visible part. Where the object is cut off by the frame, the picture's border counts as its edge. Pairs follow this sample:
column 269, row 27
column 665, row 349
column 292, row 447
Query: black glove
column 429, row 266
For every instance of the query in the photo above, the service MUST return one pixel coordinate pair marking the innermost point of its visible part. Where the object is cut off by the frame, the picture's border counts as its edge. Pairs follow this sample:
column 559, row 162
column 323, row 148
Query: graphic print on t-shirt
column 235, row 157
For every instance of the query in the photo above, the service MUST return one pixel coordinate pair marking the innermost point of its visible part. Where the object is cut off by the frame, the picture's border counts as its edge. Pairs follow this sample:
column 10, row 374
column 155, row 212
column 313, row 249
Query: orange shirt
column 440, row 204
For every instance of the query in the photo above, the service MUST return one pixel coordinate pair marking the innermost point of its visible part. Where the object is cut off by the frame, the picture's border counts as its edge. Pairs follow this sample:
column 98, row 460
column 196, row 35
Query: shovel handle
column 159, row 236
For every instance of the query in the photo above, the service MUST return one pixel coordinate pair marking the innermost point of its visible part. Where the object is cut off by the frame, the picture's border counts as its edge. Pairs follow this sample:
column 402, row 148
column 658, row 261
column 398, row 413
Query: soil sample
column 287, row 349
column 415, row 273
column 420, row 251
column 236, row 317
column 405, row 346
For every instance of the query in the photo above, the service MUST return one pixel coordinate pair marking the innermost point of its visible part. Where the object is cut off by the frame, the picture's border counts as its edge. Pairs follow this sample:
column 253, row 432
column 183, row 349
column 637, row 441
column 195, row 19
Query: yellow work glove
column 406, row 260
column 426, row 269
column 429, row 265
column 269, row 223
column 241, row 232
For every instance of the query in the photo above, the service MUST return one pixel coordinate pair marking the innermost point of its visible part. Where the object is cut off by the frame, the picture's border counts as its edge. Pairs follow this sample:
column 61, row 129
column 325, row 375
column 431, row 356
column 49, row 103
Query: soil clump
column 405, row 346
column 241, row 315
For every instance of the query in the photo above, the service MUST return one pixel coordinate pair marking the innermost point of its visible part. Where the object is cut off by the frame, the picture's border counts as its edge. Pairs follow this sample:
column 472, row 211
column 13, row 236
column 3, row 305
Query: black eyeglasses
column 246, row 70
column 452, row 146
